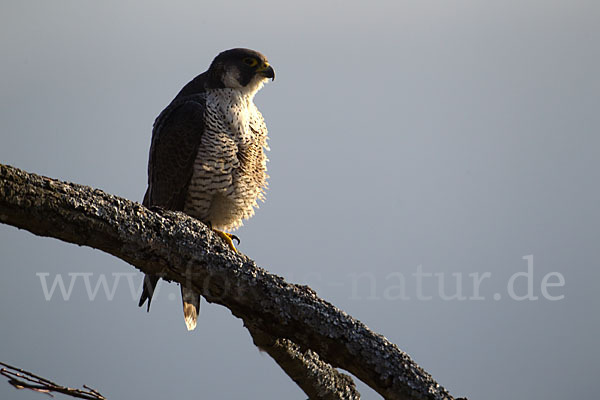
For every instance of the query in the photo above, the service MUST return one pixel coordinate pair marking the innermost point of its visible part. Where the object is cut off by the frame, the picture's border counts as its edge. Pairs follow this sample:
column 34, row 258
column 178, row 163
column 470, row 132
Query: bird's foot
column 228, row 238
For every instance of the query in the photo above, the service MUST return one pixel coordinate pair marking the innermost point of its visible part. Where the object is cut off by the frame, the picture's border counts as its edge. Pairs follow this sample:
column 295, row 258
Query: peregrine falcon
column 207, row 156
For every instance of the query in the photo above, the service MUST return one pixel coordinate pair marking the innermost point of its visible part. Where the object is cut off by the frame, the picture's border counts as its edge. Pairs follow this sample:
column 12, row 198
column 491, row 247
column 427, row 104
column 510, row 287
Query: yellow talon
column 228, row 238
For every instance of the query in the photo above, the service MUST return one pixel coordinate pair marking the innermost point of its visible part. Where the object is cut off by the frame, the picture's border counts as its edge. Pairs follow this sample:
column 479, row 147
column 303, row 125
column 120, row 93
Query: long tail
column 191, row 307
column 150, row 282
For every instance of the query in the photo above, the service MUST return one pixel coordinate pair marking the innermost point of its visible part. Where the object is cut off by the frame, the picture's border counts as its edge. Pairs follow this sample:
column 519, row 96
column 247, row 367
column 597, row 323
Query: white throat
column 230, row 79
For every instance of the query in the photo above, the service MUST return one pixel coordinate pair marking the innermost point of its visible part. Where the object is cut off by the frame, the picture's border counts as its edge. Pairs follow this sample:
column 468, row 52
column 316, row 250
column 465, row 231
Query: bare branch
column 171, row 244
column 318, row 379
column 21, row 379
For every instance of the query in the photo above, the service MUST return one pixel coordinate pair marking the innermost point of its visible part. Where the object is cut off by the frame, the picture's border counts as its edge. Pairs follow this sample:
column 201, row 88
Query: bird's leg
column 227, row 237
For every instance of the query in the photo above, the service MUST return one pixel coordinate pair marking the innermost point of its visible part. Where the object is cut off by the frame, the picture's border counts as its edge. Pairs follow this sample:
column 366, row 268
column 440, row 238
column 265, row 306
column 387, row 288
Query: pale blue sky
column 451, row 138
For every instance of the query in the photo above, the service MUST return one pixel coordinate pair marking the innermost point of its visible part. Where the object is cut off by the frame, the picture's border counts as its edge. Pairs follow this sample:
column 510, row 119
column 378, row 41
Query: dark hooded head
column 239, row 69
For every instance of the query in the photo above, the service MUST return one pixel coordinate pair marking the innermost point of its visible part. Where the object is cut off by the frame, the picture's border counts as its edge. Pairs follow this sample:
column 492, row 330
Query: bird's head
column 242, row 69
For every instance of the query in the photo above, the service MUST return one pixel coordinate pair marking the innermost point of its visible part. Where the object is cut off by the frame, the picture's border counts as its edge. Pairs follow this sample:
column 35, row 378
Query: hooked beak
column 267, row 71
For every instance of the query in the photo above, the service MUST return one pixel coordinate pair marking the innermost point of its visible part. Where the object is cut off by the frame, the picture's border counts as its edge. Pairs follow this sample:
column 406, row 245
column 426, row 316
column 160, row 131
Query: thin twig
column 21, row 379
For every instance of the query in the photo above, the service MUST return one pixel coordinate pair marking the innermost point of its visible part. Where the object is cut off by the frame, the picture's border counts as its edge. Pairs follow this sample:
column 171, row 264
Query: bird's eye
column 250, row 61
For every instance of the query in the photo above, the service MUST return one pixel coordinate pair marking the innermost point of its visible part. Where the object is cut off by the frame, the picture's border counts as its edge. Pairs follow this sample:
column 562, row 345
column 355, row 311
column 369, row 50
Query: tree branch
column 22, row 379
column 318, row 379
column 183, row 249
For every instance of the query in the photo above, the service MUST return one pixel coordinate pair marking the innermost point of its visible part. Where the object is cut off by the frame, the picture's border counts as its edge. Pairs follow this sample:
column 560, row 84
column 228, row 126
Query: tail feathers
column 191, row 300
column 191, row 307
column 150, row 282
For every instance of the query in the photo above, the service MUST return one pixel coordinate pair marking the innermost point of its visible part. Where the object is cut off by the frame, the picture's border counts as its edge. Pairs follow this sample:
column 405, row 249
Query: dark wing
column 175, row 141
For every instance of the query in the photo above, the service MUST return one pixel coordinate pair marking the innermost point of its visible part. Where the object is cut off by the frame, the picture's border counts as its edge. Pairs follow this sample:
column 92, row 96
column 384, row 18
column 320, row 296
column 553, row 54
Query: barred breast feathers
column 230, row 168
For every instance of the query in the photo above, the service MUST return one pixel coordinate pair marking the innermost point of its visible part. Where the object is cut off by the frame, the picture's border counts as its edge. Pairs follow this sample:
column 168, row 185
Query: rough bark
column 289, row 321
column 318, row 379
